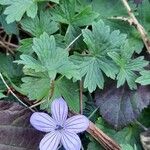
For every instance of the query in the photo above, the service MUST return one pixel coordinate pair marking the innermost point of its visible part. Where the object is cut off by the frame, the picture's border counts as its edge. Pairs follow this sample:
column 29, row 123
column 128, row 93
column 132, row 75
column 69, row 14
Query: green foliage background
column 61, row 43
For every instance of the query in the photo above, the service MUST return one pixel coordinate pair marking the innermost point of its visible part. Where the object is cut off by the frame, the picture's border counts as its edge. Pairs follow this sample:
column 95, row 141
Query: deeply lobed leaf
column 99, row 41
column 51, row 59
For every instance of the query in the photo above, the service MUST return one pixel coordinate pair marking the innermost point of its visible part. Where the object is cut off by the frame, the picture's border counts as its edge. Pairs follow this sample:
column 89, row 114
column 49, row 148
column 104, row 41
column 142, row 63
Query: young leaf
column 128, row 68
column 42, row 23
column 66, row 13
column 99, row 41
column 51, row 59
column 134, row 39
column 114, row 9
column 121, row 106
column 144, row 79
column 17, row 8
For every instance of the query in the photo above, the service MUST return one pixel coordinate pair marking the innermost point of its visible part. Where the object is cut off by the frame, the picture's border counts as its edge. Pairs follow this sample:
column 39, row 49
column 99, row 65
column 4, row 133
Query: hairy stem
column 68, row 47
column 139, row 27
column 81, row 97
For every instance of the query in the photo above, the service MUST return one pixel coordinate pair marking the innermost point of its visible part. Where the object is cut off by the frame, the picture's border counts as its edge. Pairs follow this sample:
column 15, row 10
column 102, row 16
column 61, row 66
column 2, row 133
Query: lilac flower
column 59, row 129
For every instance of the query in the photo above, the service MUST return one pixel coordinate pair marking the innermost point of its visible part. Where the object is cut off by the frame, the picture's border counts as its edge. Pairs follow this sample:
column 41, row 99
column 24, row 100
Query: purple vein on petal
column 59, row 110
column 42, row 122
column 77, row 124
column 71, row 141
column 50, row 141
column 47, row 136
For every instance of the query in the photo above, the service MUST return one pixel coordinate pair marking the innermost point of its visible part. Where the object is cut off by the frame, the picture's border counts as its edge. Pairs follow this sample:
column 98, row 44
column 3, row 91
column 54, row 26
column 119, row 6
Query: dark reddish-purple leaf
column 121, row 106
column 138, row 2
column 16, row 132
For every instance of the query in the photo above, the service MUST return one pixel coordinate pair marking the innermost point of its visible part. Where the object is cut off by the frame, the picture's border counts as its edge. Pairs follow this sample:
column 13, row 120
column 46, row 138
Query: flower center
column 58, row 127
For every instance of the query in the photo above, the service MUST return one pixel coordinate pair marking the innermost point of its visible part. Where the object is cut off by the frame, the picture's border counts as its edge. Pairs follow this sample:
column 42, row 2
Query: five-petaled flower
column 59, row 129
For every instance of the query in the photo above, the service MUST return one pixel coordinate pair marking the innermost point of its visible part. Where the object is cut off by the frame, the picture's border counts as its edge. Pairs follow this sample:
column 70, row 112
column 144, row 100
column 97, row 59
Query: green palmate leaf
column 42, row 23
column 99, row 41
column 127, row 66
column 42, row 89
column 15, row 126
column 66, row 13
column 17, row 8
column 84, row 17
column 121, row 106
column 115, row 8
column 39, row 87
column 66, row 89
column 51, row 59
column 144, row 79
column 134, row 40
column 69, row 13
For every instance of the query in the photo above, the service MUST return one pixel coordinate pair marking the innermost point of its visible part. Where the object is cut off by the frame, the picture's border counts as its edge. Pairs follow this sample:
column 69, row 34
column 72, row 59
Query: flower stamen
column 58, row 127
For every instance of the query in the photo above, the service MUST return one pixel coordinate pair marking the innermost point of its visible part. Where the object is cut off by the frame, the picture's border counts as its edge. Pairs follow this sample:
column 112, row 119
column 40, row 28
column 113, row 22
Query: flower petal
column 70, row 141
column 50, row 141
column 77, row 124
column 59, row 110
column 42, row 122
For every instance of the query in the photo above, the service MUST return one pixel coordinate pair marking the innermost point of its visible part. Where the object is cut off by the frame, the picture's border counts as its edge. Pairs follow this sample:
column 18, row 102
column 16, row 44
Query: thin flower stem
column 141, row 125
column 74, row 41
column 81, row 97
column 37, row 104
column 67, row 48
column 91, row 115
column 139, row 27
column 60, row 78
column 9, row 89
